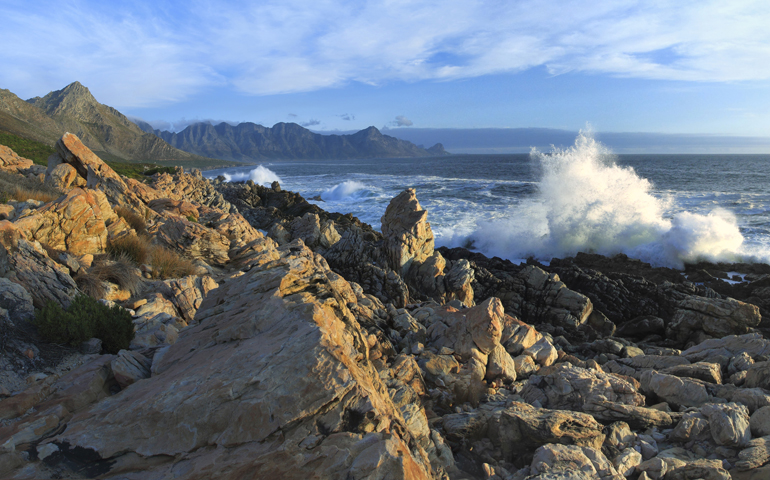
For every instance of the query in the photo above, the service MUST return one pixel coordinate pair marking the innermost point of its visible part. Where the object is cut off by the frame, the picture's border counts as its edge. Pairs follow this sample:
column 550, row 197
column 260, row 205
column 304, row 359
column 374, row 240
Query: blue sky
column 694, row 67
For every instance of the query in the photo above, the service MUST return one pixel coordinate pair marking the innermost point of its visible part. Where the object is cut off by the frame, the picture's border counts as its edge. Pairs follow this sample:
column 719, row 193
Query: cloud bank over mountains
column 139, row 54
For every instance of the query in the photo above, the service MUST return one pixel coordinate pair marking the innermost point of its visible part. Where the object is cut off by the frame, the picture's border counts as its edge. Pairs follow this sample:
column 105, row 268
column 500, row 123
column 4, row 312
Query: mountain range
column 112, row 136
column 249, row 141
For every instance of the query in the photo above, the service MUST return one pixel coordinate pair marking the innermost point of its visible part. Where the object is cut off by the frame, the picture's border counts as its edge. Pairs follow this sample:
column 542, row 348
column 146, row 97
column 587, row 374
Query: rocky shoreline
column 304, row 344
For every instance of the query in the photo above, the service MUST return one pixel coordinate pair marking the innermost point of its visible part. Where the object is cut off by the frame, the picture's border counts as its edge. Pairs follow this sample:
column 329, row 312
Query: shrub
column 153, row 171
column 168, row 264
column 135, row 221
column 84, row 319
column 132, row 247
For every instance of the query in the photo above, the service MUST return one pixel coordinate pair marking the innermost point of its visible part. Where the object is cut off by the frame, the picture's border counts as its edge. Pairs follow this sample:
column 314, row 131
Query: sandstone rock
column 524, row 365
column 188, row 293
column 760, row 422
column 501, row 365
column 627, row 461
column 7, row 212
column 758, row 375
column 277, row 350
column 74, row 223
column 408, row 236
column 98, row 175
column 479, row 328
column 716, row 317
column 751, row 344
column 64, row 176
column 679, row 391
column 307, row 228
column 728, row 423
column 542, row 352
column 708, row 372
column 11, row 162
column 570, row 459
column 636, row 416
column 16, row 300
column 756, row 454
column 191, row 187
column 177, row 207
column 130, row 367
column 191, row 239
column 523, row 426
column 567, row 387
column 31, row 268
column 642, row 326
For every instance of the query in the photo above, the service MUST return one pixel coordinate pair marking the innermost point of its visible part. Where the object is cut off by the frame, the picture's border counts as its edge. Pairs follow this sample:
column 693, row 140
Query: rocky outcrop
column 76, row 222
column 407, row 233
column 191, row 239
column 11, row 162
column 26, row 263
column 235, row 376
column 190, row 187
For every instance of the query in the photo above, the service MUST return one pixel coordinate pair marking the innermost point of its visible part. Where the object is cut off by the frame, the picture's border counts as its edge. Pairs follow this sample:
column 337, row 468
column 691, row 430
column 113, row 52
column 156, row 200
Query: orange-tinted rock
column 408, row 236
column 11, row 162
column 74, row 223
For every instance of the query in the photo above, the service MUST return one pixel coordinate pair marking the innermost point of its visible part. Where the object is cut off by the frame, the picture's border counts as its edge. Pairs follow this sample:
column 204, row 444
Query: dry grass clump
column 137, row 222
column 133, row 247
column 14, row 186
column 119, row 270
column 169, row 264
column 90, row 284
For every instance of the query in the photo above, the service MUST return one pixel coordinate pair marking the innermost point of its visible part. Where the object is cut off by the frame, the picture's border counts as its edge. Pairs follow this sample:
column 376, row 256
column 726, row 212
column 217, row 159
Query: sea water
column 664, row 209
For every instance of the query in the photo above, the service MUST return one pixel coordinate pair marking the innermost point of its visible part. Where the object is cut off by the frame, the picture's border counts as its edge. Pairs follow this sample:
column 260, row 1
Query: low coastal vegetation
column 86, row 318
column 16, row 187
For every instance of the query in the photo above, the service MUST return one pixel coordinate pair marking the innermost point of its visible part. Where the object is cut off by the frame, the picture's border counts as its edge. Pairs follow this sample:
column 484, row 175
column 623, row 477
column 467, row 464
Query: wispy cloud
column 142, row 53
column 311, row 123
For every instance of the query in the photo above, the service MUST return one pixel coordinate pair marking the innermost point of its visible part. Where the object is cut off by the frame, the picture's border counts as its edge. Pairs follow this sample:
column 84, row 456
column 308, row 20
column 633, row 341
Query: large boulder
column 274, row 381
column 26, row 263
column 191, row 239
column 75, row 223
column 11, row 162
column 714, row 316
column 407, row 233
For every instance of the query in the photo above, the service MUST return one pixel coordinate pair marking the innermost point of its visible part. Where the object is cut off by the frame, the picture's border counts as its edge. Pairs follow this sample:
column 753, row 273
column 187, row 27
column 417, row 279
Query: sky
column 685, row 67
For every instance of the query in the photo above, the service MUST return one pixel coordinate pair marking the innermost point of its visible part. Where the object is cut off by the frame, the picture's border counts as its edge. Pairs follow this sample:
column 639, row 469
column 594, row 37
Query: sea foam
column 260, row 175
column 343, row 191
column 587, row 203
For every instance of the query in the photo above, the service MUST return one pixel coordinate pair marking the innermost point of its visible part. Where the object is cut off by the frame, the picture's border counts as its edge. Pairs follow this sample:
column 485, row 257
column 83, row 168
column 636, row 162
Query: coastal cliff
column 291, row 342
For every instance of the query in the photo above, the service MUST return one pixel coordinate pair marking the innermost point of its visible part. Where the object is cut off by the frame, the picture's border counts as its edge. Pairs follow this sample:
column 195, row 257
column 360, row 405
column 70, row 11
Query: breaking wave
column 586, row 202
column 260, row 175
column 343, row 191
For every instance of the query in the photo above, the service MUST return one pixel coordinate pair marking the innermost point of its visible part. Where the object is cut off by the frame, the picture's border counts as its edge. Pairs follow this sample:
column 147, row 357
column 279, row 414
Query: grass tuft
column 133, row 247
column 169, row 264
column 135, row 221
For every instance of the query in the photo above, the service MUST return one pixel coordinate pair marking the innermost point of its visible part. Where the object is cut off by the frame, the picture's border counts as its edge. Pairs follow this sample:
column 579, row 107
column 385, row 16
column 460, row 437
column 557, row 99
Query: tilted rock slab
column 11, row 162
column 408, row 236
column 273, row 382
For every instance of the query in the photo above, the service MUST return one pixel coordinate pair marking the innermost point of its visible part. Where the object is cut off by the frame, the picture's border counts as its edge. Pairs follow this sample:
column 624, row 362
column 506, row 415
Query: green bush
column 86, row 318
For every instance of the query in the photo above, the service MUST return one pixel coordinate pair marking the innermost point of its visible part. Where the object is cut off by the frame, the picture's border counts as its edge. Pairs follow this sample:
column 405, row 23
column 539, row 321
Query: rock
column 636, row 416
column 523, row 426
column 728, row 423
column 188, row 293
column 182, row 208
column 758, row 375
column 567, row 387
column 31, row 268
column 756, row 454
column 479, row 328
column 642, row 326
column 408, row 236
column 130, row 367
column 760, row 422
column 276, row 350
column 716, row 317
column 654, row 468
column 7, row 212
column 92, row 346
column 708, row 372
column 307, row 228
column 98, row 175
column 16, row 300
column 679, row 391
column 751, row 344
column 62, row 176
column 740, row 363
column 74, row 223
column 191, row 187
column 542, row 352
column 627, row 461
column 501, row 365
column 570, row 460
column 191, row 239
column 524, row 365
column 11, row 162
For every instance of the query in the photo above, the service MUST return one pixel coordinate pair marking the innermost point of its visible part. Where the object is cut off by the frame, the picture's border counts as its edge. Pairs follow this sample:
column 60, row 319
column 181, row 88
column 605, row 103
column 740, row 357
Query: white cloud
column 140, row 54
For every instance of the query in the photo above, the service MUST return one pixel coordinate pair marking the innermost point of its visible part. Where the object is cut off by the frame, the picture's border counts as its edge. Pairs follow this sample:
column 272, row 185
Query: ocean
column 663, row 209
